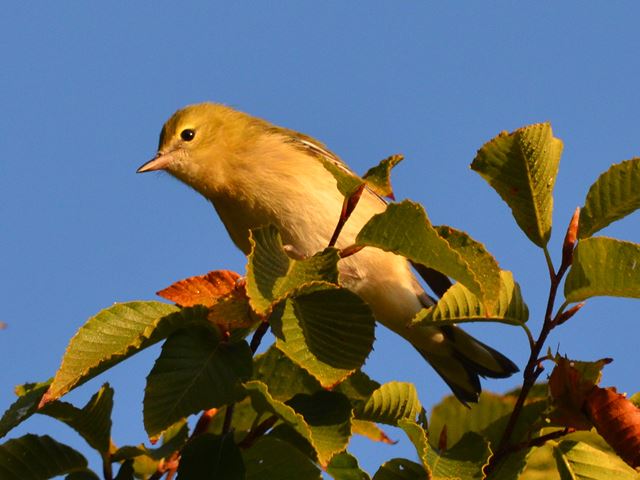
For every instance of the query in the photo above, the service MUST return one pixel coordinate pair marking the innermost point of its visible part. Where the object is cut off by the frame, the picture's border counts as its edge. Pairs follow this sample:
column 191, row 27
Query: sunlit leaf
column 378, row 178
column 328, row 331
column 613, row 196
column 196, row 371
column 459, row 305
column 522, row 167
column 404, row 228
column 390, row 403
column 464, row 460
column 34, row 457
column 418, row 437
column 201, row 290
column 581, row 461
column 603, row 267
column 173, row 438
column 116, row 334
column 272, row 274
column 370, row 430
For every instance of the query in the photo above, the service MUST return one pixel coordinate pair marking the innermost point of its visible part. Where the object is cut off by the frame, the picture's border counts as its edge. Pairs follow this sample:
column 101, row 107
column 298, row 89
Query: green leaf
column 530, row 422
column 358, row 387
column 328, row 332
column 512, row 466
column 328, row 415
column 196, row 371
column 323, row 419
column 274, row 459
column 116, row 334
column 378, row 177
column 482, row 263
column 347, row 181
column 272, row 274
column 459, row 419
column 211, row 456
column 418, row 437
column 173, row 439
column 522, row 167
column 613, row 196
column 92, row 422
column 390, row 403
column 401, row 469
column 83, row 475
column 29, row 396
column 403, row 228
column 284, row 377
column 126, row 471
column 579, row 460
column 344, row 466
column 459, row 305
column 34, row 457
column 464, row 460
column 603, row 266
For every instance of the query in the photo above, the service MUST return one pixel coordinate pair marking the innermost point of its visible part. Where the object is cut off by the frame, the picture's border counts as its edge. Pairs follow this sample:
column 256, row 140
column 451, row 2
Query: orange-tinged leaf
column 569, row 384
column 201, row 290
column 617, row 420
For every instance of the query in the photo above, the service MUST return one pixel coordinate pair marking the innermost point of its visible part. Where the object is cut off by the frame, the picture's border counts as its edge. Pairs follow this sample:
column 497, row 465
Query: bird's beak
column 160, row 162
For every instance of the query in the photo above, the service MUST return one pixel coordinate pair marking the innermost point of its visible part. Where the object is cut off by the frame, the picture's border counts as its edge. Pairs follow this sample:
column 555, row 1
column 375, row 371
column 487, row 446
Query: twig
column 257, row 432
column 257, row 336
column 348, row 206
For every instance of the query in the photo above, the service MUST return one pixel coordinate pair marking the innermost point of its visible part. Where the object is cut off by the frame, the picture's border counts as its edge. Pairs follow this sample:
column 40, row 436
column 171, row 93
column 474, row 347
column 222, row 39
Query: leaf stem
column 257, row 432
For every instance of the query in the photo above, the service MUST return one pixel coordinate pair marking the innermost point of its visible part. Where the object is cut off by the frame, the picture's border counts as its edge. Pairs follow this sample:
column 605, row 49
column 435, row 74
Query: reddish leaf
column 617, row 420
column 569, row 384
column 201, row 290
column 232, row 311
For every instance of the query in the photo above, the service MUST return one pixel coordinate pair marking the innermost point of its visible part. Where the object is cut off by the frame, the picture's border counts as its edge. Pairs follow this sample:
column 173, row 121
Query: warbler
column 255, row 174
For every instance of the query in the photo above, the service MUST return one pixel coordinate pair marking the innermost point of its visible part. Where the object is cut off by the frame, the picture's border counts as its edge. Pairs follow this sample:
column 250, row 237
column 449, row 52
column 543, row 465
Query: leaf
column 83, row 475
column 196, row 371
column 34, row 457
column 284, row 377
column 464, row 460
column 92, row 422
column 401, row 469
column 570, row 383
column 201, row 290
column 522, row 167
column 344, row 466
column 274, row 459
column 272, row 275
column 211, row 456
column 390, row 403
column 482, row 263
column 378, row 178
column 347, row 182
column 613, row 196
column 29, row 396
column 328, row 415
column 323, row 419
column 370, row 430
column 403, row 228
column 173, row 438
column 114, row 335
column 329, row 332
column 459, row 305
column 603, row 266
column 459, row 419
column 418, row 437
column 579, row 460
column 617, row 420
column 358, row 387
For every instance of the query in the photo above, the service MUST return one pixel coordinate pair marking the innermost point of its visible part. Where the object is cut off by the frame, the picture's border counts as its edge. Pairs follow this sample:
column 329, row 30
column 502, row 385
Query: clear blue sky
column 85, row 88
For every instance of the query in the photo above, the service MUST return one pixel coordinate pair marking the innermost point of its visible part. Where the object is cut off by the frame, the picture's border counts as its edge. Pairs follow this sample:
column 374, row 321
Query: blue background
column 85, row 88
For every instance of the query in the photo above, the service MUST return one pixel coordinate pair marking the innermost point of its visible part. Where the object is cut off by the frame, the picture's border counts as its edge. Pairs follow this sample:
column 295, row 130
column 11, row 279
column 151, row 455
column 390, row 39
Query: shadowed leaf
column 401, row 469
column 211, row 456
column 196, row 371
column 34, row 457
column 29, row 396
column 274, row 459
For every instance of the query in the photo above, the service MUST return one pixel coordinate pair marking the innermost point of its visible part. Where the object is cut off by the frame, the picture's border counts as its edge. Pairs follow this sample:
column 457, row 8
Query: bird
column 257, row 174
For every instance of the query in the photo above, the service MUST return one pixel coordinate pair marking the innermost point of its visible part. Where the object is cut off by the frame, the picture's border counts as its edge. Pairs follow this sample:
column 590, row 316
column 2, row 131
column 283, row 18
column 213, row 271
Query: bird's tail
column 460, row 360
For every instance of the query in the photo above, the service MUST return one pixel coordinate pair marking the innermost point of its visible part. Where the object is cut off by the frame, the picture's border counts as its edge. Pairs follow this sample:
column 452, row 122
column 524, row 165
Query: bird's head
column 199, row 142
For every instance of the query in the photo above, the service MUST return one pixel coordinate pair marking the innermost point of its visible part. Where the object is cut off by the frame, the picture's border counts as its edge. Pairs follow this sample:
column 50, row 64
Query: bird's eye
column 187, row 134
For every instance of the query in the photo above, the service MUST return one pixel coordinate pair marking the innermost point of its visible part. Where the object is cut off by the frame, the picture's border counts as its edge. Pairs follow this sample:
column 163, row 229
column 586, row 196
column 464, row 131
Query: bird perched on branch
column 255, row 174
